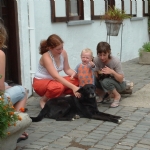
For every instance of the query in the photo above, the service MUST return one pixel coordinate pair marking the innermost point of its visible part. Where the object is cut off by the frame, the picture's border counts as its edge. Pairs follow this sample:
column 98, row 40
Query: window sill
column 79, row 22
column 136, row 18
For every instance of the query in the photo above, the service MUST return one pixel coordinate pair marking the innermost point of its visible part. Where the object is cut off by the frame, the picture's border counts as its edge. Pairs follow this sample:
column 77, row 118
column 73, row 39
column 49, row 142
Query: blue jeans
column 15, row 93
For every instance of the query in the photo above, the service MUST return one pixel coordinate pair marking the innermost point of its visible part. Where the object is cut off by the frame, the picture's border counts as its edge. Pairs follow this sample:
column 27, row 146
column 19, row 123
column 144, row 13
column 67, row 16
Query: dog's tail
column 40, row 116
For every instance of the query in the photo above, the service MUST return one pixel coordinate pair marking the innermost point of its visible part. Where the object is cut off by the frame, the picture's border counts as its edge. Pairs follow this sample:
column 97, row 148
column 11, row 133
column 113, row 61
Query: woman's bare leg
column 100, row 93
column 117, row 97
column 21, row 103
column 43, row 100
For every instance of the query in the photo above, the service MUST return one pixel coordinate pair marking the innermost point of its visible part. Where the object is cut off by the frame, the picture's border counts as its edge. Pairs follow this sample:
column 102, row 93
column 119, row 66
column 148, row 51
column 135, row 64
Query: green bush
column 145, row 48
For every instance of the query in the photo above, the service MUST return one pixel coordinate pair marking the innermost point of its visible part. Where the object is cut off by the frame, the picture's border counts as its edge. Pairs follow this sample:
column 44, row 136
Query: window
column 105, row 3
column 73, row 10
column 111, row 3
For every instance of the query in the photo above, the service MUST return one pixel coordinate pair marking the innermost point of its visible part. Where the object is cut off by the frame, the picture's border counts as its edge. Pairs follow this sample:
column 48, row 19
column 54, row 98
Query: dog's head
column 88, row 90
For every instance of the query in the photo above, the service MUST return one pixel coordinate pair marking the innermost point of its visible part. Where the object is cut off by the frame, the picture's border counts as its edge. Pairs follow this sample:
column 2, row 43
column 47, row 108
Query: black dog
column 68, row 108
column 101, row 76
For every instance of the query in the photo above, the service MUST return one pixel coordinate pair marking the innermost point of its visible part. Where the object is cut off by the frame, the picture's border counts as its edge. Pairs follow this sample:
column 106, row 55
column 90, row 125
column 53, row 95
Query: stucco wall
column 77, row 37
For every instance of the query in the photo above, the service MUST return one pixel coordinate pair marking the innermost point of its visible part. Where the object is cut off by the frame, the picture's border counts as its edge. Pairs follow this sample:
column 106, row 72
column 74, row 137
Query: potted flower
column 8, row 117
column 144, row 54
column 113, row 19
column 12, row 123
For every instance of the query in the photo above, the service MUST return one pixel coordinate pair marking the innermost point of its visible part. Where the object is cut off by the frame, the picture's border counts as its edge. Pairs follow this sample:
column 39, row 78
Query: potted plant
column 113, row 19
column 8, row 116
column 144, row 54
column 12, row 123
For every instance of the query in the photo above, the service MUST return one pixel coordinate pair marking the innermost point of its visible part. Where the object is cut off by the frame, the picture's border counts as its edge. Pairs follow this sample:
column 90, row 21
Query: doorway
column 8, row 15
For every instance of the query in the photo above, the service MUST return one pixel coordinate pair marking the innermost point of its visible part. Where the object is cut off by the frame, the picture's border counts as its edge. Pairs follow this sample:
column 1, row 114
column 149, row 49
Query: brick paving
column 87, row 134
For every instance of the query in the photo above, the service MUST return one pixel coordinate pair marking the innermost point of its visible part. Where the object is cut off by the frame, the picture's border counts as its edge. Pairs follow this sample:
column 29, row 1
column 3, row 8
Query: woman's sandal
column 115, row 104
column 24, row 136
column 129, row 85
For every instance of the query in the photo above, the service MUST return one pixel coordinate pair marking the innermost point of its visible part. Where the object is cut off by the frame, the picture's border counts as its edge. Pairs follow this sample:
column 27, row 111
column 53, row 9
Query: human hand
column 106, row 70
column 7, row 87
column 77, row 94
column 72, row 78
column 91, row 64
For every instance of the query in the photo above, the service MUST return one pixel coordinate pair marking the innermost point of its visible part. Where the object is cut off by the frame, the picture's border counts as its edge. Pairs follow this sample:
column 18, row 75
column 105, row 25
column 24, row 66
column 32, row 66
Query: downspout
column 31, row 24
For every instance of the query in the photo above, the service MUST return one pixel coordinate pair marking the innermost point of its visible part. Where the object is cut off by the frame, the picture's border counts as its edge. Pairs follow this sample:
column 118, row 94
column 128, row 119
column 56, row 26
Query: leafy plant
column 8, row 116
column 145, row 48
column 115, row 14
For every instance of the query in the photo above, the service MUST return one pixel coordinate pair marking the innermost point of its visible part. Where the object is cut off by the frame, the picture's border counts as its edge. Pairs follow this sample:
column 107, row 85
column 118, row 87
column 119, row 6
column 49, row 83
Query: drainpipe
column 32, row 43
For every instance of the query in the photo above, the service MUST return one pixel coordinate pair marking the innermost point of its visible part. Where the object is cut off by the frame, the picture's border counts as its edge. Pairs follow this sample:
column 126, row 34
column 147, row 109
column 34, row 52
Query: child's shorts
column 15, row 93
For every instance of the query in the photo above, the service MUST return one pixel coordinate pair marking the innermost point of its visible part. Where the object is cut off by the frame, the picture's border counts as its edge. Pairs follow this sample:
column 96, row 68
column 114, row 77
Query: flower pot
column 113, row 27
column 144, row 58
column 10, row 141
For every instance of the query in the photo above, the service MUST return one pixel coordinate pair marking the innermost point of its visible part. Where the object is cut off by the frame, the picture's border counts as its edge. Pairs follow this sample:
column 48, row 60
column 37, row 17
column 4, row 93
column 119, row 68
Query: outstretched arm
column 73, row 75
column 67, row 68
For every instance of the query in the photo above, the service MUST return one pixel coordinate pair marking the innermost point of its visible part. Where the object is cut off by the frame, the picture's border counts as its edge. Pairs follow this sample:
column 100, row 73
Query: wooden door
column 8, row 13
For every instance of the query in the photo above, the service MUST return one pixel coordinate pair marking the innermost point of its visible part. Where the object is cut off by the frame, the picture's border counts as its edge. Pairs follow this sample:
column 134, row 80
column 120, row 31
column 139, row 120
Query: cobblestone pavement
column 87, row 134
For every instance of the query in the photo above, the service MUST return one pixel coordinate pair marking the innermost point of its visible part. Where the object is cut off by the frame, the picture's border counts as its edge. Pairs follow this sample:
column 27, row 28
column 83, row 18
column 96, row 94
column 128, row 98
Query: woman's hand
column 117, row 76
column 107, row 70
column 77, row 94
column 72, row 76
column 7, row 87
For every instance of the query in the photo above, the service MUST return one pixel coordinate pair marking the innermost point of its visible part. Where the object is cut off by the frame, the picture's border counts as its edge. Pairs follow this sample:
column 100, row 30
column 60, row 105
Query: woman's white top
column 42, row 72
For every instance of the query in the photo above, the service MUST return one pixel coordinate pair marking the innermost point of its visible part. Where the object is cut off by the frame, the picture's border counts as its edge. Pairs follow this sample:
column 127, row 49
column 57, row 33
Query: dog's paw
column 76, row 117
column 119, row 120
column 72, row 119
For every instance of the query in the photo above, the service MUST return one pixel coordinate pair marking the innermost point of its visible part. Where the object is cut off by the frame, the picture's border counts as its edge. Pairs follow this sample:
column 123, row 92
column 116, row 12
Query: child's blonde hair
column 3, row 36
column 87, row 50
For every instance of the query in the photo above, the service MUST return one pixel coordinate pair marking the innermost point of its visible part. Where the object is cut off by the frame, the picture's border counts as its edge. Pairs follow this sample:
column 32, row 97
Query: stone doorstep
column 15, row 132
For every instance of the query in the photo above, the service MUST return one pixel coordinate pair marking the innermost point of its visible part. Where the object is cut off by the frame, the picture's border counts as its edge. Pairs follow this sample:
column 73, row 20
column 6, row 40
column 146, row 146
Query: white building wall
column 77, row 37
column 24, row 44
